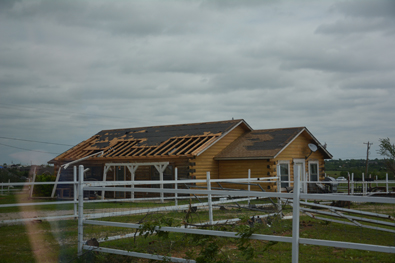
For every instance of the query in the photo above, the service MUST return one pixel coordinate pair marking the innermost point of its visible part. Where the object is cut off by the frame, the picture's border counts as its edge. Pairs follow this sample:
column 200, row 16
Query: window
column 284, row 173
column 313, row 171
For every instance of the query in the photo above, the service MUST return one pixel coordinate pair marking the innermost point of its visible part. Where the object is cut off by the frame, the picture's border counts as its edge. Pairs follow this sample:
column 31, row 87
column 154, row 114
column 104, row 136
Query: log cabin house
column 228, row 149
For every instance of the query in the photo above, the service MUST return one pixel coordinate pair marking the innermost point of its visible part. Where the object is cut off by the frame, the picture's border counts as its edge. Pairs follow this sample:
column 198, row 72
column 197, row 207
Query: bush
column 344, row 174
column 44, row 190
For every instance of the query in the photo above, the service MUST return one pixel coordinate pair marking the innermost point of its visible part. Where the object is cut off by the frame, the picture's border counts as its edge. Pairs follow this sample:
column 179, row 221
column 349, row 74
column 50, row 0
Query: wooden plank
column 205, row 161
column 181, row 148
column 79, row 147
column 199, row 143
column 163, row 146
column 126, row 147
column 142, row 149
column 133, row 151
column 147, row 150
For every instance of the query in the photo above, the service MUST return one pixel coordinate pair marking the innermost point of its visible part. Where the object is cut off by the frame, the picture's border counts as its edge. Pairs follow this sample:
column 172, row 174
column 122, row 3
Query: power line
column 16, row 139
column 26, row 149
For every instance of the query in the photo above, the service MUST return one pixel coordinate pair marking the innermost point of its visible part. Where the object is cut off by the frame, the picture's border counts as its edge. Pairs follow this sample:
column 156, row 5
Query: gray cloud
column 69, row 69
column 366, row 8
column 360, row 17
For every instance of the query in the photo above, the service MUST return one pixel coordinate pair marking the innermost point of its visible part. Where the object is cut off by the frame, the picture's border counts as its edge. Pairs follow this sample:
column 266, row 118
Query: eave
column 242, row 158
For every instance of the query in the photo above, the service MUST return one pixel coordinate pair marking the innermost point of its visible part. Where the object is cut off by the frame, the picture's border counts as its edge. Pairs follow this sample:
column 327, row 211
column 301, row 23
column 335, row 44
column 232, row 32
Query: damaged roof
column 154, row 141
column 263, row 144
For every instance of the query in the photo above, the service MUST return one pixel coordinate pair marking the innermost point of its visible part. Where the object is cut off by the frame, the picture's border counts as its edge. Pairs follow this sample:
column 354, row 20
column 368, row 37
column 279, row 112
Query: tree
column 388, row 150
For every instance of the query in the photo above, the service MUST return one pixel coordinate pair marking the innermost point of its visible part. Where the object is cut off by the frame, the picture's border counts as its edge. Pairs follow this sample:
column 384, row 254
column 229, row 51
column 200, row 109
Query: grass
column 56, row 241
column 279, row 252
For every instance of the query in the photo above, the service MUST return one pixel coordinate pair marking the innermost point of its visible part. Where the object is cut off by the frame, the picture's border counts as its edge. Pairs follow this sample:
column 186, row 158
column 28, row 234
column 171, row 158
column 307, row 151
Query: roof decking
column 259, row 144
column 156, row 141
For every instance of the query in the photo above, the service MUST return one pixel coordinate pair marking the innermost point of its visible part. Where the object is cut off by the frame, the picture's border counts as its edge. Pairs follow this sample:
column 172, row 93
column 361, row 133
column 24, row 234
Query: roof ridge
column 176, row 125
column 287, row 128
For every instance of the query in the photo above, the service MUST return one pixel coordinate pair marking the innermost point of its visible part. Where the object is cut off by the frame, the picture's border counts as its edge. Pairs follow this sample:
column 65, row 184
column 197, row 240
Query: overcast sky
column 69, row 69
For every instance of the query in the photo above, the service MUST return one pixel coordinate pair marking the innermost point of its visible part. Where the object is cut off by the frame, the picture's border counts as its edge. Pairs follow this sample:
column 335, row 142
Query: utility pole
column 367, row 156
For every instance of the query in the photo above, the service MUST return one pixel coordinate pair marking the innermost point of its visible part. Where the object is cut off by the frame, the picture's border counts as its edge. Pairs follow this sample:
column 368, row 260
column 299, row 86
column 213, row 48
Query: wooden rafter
column 175, row 146
column 77, row 149
column 198, row 144
column 161, row 146
column 204, row 145
column 184, row 144
column 126, row 147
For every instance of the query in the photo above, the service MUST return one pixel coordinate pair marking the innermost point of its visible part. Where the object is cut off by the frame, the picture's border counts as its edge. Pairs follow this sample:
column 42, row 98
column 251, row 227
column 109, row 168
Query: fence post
column 305, row 189
column 34, row 180
column 363, row 184
column 176, row 186
column 386, row 182
column 8, row 186
column 80, row 210
column 249, row 186
column 348, row 185
column 75, row 190
column 295, row 220
column 210, row 205
column 132, row 176
column 106, row 168
column 280, row 206
column 352, row 183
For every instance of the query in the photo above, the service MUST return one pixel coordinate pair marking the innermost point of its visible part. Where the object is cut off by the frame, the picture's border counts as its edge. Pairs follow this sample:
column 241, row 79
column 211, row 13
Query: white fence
column 298, row 194
column 295, row 197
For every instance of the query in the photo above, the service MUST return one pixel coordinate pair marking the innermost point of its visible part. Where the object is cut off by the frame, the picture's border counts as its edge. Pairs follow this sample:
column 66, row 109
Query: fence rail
column 295, row 196
column 299, row 192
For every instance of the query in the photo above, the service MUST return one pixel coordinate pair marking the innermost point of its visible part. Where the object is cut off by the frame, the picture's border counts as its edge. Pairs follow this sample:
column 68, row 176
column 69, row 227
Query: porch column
column 161, row 168
column 106, row 168
column 132, row 170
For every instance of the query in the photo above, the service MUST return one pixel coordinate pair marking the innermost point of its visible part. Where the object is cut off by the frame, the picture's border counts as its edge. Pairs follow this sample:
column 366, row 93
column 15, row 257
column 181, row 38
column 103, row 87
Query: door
column 299, row 171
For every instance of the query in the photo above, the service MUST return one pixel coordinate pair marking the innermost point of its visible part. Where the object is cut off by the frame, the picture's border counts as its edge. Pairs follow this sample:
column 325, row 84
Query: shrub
column 44, row 190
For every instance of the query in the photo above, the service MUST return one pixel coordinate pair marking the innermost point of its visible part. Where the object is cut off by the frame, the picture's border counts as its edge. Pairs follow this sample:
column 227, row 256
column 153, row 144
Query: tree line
column 376, row 167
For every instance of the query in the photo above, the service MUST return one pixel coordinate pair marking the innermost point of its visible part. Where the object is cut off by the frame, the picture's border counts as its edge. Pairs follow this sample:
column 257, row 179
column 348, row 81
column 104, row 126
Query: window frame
column 288, row 183
column 318, row 170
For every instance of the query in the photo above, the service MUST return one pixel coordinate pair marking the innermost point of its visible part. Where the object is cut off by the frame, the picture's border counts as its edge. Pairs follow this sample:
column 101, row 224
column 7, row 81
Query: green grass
column 15, row 245
column 280, row 252
column 334, row 174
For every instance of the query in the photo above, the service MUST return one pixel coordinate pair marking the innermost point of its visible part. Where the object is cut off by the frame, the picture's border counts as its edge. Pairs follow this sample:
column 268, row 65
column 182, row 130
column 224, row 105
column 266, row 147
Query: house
column 225, row 148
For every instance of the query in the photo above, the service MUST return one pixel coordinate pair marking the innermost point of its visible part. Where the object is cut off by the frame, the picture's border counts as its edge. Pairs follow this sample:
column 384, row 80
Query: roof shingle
column 176, row 140
column 259, row 144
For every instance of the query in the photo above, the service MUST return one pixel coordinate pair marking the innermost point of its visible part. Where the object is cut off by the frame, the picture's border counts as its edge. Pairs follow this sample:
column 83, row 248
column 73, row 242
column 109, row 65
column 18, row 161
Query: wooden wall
column 206, row 163
column 239, row 169
column 298, row 149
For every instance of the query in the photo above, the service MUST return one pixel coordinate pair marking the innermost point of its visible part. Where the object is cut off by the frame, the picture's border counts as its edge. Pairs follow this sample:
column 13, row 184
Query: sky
column 69, row 69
